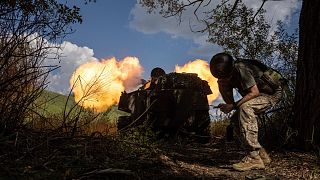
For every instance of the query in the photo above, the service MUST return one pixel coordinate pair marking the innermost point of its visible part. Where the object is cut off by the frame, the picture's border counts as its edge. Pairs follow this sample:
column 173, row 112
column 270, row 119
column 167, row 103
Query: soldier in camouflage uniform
column 251, row 79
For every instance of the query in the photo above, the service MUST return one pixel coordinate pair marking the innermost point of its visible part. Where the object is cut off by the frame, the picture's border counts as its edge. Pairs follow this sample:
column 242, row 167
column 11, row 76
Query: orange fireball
column 98, row 85
column 201, row 67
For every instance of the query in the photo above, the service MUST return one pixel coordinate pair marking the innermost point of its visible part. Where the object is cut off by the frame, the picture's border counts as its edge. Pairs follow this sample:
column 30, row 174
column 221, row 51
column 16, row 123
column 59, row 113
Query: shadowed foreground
column 37, row 156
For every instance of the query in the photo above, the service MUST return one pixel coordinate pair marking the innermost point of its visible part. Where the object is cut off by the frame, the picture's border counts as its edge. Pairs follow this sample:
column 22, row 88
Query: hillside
column 54, row 103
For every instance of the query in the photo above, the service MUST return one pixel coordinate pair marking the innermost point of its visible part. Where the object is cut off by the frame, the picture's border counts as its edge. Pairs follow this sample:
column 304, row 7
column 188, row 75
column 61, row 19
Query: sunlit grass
column 218, row 127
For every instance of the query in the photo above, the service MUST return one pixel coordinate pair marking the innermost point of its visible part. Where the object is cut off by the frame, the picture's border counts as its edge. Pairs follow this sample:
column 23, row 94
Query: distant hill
column 54, row 103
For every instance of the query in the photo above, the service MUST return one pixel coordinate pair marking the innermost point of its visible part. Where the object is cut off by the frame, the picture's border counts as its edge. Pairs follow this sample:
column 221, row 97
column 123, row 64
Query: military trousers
column 244, row 120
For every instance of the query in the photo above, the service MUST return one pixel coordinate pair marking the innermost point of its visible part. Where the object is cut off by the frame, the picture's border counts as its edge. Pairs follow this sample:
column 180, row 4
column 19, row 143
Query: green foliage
column 239, row 30
column 27, row 28
column 49, row 18
column 287, row 47
column 242, row 32
column 166, row 7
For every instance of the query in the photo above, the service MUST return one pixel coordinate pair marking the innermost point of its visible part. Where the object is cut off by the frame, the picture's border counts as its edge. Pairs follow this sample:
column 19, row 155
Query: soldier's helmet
column 157, row 72
column 221, row 65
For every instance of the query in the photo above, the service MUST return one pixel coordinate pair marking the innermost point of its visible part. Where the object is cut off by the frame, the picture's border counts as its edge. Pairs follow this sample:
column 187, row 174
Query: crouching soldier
column 260, row 88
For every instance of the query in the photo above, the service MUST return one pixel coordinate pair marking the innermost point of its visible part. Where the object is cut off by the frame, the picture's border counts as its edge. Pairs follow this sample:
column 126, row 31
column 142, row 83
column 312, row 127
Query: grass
column 52, row 103
column 51, row 106
column 218, row 127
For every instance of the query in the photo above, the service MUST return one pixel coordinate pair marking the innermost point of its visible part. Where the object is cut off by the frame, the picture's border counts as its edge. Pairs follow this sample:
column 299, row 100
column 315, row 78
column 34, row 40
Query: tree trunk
column 307, row 100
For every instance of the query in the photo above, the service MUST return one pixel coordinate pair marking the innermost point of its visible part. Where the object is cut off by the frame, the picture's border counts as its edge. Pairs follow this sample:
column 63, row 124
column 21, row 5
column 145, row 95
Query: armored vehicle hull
column 175, row 105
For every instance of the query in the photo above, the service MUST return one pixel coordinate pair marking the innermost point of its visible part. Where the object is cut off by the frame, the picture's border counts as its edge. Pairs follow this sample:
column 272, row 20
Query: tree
column 307, row 100
column 28, row 30
column 243, row 33
column 236, row 28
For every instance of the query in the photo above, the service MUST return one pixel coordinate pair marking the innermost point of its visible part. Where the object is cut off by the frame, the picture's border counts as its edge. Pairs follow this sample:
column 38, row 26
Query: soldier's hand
column 226, row 108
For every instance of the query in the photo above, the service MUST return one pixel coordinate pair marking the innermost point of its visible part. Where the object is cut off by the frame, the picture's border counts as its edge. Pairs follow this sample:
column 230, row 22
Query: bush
column 26, row 34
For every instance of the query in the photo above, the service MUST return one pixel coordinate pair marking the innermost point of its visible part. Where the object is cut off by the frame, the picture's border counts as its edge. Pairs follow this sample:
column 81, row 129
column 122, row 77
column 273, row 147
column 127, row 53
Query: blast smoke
column 201, row 67
column 98, row 85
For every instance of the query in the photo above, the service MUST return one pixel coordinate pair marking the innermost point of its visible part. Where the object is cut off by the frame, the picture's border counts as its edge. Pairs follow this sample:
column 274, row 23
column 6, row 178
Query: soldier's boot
column 264, row 156
column 252, row 161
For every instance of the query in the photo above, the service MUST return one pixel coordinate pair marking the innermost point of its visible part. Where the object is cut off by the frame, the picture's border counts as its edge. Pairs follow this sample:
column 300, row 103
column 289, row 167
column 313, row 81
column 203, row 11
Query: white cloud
column 155, row 23
column 276, row 10
column 71, row 56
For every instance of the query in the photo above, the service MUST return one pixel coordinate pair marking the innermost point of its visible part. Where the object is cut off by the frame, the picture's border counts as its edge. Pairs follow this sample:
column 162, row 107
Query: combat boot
column 252, row 161
column 264, row 156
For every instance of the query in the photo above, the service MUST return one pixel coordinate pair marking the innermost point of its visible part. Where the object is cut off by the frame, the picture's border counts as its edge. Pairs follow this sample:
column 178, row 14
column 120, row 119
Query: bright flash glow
column 98, row 85
column 201, row 67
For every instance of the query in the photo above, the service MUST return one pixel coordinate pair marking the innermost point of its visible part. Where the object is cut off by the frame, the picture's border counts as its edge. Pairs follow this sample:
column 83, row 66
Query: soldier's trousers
column 245, row 122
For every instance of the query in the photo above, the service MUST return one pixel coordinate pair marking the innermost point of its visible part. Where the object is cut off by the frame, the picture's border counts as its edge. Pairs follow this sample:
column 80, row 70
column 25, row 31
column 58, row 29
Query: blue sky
column 120, row 28
column 106, row 30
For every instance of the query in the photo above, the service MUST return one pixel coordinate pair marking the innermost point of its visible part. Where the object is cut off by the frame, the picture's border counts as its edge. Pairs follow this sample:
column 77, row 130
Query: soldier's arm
column 226, row 92
column 248, row 83
column 253, row 92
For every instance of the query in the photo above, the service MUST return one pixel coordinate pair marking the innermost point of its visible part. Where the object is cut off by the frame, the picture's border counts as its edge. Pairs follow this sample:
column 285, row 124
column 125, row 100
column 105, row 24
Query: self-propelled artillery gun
column 174, row 104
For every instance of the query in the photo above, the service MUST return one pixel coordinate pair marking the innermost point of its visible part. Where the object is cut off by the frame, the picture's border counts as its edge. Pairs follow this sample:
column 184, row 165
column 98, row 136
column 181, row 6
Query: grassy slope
column 54, row 103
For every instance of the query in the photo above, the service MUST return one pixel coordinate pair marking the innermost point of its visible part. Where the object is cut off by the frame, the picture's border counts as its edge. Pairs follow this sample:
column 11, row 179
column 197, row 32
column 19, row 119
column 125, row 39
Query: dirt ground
column 39, row 156
column 214, row 161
